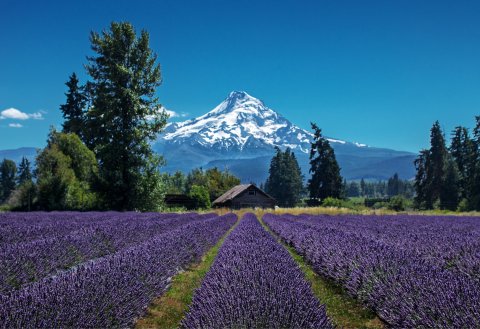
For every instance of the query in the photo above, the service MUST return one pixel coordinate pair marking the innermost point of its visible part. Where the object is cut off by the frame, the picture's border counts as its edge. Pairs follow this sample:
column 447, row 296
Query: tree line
column 102, row 158
column 285, row 180
column 380, row 189
column 449, row 177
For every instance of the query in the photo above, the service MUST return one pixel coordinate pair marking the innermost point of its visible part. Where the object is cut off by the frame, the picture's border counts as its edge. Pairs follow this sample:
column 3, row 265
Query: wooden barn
column 179, row 200
column 245, row 196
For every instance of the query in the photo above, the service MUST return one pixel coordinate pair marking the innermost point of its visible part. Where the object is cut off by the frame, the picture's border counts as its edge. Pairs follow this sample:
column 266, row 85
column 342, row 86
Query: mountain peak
column 240, row 120
column 238, row 94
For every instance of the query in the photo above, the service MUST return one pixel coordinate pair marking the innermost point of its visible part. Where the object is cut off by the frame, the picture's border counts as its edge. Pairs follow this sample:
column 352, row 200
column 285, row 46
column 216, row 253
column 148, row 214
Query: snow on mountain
column 241, row 133
column 241, row 121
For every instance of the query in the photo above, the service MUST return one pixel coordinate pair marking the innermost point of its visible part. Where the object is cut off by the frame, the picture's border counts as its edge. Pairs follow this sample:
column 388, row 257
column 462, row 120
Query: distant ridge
column 16, row 154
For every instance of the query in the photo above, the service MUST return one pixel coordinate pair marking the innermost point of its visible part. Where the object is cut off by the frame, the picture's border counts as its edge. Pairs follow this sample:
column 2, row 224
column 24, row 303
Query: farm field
column 102, row 270
column 413, row 271
column 95, row 270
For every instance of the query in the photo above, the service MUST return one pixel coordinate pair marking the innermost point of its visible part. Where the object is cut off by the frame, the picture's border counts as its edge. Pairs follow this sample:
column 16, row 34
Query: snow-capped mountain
column 239, row 122
column 241, row 133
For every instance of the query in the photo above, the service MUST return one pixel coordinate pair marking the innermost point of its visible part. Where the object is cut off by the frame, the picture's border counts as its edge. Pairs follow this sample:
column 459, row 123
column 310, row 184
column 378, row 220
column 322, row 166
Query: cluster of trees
column 285, row 180
column 449, row 177
column 103, row 158
column 16, row 184
column 202, row 186
column 379, row 189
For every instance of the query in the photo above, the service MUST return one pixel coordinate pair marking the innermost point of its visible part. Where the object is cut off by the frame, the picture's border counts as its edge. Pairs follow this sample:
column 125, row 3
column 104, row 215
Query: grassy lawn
column 168, row 310
column 343, row 310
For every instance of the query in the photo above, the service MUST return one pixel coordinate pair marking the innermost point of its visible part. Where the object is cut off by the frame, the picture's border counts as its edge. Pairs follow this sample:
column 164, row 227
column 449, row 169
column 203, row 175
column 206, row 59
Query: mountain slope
column 17, row 154
column 241, row 132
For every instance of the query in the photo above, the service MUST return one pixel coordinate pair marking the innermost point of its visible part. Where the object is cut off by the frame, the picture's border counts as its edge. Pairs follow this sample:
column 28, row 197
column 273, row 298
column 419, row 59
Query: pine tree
column 285, row 180
column 8, row 171
column 463, row 154
column 124, row 116
column 24, row 172
column 450, row 192
column 326, row 180
column 474, row 181
column 433, row 170
column 363, row 188
column 420, row 184
column 73, row 109
column 393, row 185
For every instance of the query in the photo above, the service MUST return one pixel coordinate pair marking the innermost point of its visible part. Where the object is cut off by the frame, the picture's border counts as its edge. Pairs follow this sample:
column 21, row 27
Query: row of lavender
column 113, row 290
column 254, row 283
column 71, row 239
column 413, row 271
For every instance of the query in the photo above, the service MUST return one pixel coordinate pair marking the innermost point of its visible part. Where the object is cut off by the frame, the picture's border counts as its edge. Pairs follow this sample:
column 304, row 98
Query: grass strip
column 169, row 309
column 342, row 309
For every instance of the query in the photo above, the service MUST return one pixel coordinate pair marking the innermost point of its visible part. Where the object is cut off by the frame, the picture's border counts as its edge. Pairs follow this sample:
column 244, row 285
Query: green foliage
column 379, row 189
column 216, row 182
column 397, row 203
column 23, row 197
column 463, row 206
column 285, row 180
column 65, row 171
column 73, row 109
column 434, row 169
column 200, row 196
column 175, row 183
column 151, row 188
column 332, row 202
column 124, row 117
column 450, row 192
column 326, row 180
column 446, row 177
column 8, row 171
column 24, row 172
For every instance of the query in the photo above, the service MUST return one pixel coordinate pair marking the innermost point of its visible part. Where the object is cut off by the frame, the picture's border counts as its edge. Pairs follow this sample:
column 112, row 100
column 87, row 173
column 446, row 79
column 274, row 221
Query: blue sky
column 375, row 72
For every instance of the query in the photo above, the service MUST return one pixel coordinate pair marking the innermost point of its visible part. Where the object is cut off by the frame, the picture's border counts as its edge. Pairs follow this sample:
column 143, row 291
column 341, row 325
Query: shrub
column 397, row 203
column 200, row 196
column 332, row 202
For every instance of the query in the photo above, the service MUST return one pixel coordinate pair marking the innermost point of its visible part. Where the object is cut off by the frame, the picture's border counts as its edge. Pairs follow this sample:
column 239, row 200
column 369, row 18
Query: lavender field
column 102, row 270
column 254, row 283
column 414, row 271
column 94, row 270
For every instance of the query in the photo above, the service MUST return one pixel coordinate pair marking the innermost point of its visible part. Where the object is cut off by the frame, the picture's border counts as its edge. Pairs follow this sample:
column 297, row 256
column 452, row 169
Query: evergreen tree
column 450, row 192
column 326, row 180
column 394, row 185
column 463, row 154
column 474, row 181
column 436, row 164
column 73, row 109
column 353, row 190
column 8, row 171
column 363, row 188
column 24, row 172
column 124, row 116
column 433, row 171
column 421, row 179
column 285, row 180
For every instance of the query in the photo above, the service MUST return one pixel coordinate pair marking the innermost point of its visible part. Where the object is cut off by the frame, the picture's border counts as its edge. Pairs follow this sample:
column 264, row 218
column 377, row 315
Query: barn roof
column 235, row 191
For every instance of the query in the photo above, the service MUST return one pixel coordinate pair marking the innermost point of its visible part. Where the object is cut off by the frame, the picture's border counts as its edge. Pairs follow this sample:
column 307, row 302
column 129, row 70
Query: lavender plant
column 254, row 283
column 414, row 271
